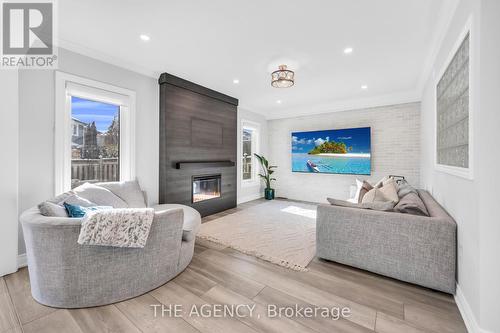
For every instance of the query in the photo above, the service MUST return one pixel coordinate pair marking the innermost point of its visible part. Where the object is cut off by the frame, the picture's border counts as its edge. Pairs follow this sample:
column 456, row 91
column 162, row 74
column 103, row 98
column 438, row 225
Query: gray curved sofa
column 65, row 274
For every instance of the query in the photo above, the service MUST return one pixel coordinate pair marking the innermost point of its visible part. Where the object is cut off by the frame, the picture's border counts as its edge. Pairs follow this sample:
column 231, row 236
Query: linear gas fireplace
column 206, row 187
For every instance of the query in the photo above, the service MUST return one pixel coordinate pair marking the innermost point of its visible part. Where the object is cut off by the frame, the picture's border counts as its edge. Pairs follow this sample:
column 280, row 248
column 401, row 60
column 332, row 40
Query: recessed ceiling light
column 236, row 81
column 278, row 101
column 364, row 87
column 145, row 38
column 348, row 50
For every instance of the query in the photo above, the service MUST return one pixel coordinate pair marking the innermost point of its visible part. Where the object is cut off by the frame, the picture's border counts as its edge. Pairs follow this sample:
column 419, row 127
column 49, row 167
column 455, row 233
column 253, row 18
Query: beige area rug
column 278, row 231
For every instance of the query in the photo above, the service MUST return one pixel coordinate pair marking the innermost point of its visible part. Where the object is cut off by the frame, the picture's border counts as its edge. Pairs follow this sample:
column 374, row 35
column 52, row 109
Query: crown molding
column 109, row 59
column 344, row 105
column 447, row 12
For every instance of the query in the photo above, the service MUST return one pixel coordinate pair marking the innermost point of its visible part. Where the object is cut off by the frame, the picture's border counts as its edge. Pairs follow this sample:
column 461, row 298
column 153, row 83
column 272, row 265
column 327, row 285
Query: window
column 249, row 146
column 95, row 151
column 94, row 132
column 453, row 119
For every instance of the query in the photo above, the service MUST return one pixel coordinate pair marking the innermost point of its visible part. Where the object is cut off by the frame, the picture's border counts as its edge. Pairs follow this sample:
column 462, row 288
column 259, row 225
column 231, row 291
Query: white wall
column 251, row 192
column 472, row 203
column 395, row 148
column 36, row 107
column 454, row 193
column 9, row 136
column 488, row 161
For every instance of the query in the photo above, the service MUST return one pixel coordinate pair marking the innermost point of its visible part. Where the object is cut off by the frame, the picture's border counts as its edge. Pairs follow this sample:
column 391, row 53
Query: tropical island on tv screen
column 345, row 151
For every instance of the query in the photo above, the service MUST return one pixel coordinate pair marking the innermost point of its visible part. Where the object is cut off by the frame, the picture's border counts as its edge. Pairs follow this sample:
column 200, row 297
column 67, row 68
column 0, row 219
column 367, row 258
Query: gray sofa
column 65, row 274
column 415, row 249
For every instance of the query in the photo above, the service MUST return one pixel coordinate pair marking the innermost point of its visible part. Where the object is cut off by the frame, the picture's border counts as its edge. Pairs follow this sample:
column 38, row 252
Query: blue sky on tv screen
column 357, row 138
column 87, row 111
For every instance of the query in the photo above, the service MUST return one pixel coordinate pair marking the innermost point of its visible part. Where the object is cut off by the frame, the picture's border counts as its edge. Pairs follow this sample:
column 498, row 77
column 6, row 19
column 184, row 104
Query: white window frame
column 68, row 85
column 255, row 128
column 466, row 173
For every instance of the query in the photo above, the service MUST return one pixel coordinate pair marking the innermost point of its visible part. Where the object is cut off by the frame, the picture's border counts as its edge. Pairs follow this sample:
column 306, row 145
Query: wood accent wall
column 197, row 124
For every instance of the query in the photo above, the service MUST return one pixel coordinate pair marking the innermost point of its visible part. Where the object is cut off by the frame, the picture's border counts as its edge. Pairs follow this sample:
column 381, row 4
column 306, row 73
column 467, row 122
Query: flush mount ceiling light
column 364, row 87
column 236, row 81
column 282, row 78
column 145, row 38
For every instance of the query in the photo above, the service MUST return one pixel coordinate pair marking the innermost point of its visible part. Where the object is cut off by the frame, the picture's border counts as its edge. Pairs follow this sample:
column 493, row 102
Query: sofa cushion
column 411, row 204
column 382, row 206
column 192, row 219
column 99, row 195
column 129, row 191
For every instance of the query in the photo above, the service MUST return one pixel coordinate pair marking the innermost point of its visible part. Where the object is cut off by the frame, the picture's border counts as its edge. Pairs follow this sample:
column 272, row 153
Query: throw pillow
column 48, row 208
column 99, row 195
column 374, row 195
column 382, row 206
column 80, row 211
column 54, row 206
column 365, row 187
column 359, row 184
column 77, row 200
column 128, row 191
column 381, row 182
column 411, row 204
column 61, row 197
column 390, row 191
column 404, row 188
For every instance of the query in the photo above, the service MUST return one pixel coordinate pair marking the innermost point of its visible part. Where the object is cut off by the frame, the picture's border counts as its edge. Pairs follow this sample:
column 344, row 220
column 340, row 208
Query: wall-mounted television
column 344, row 151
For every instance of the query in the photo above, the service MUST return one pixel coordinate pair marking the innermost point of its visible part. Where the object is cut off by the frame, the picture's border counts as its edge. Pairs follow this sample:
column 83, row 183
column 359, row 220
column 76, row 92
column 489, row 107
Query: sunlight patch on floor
column 300, row 211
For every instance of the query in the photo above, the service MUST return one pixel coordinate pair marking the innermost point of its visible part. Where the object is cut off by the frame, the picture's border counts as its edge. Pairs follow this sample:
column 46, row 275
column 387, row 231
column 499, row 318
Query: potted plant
column 266, row 175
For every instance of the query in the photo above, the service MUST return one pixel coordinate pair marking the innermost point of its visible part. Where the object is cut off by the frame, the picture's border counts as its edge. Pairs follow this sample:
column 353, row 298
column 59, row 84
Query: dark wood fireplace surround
column 198, row 137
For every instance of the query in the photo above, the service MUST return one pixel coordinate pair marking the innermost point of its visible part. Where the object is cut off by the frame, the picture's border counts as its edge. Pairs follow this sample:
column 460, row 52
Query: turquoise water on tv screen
column 331, row 164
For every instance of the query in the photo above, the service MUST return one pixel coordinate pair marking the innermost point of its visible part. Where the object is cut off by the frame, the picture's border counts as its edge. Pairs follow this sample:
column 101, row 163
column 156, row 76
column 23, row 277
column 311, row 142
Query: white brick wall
column 395, row 146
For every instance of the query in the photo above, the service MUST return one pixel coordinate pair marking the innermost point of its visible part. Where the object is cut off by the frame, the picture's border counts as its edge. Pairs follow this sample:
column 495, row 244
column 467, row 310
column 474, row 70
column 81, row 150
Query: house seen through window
column 95, row 141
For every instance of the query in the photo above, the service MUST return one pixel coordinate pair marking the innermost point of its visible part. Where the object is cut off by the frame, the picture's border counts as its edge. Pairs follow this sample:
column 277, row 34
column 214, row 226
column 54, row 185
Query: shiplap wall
column 395, row 132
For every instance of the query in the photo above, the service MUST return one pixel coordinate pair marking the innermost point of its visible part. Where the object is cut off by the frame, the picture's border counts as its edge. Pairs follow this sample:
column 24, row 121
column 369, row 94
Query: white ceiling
column 213, row 42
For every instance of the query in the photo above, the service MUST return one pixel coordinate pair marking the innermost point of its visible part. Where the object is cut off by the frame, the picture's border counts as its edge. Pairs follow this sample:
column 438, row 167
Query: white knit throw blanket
column 123, row 227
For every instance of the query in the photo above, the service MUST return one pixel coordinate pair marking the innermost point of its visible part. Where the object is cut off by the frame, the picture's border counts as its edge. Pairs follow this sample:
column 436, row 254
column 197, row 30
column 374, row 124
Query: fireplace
column 206, row 187
column 198, row 146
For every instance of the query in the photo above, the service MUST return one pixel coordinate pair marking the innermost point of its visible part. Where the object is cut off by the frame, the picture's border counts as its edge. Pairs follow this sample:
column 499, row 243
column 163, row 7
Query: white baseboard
column 467, row 314
column 251, row 197
column 22, row 261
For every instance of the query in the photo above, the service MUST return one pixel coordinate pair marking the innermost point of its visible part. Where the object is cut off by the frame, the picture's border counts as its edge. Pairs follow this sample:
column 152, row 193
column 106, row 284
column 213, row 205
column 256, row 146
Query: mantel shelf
column 204, row 164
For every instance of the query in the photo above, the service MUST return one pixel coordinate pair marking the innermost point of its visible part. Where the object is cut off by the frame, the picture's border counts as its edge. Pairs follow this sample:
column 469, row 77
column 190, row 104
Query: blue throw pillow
column 80, row 211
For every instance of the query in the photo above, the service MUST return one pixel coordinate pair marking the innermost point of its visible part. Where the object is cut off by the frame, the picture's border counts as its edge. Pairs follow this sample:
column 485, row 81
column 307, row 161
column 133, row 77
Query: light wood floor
column 223, row 276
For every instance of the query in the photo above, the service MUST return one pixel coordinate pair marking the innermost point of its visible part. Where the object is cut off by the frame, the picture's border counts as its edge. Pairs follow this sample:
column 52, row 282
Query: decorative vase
column 269, row 193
